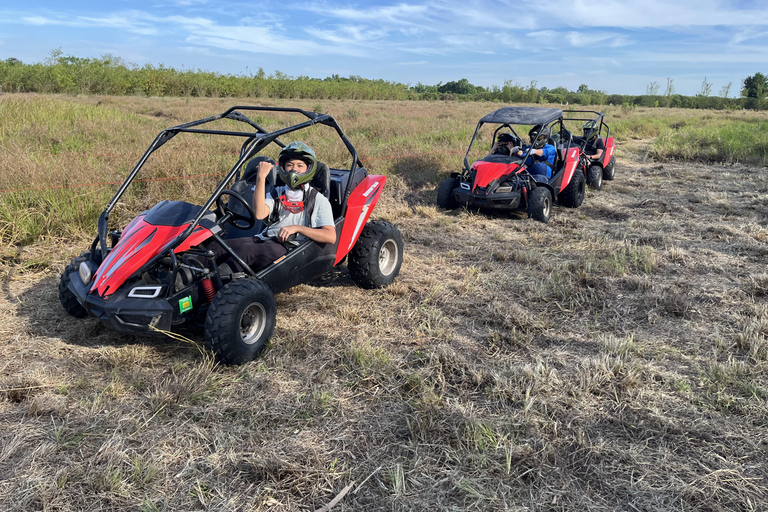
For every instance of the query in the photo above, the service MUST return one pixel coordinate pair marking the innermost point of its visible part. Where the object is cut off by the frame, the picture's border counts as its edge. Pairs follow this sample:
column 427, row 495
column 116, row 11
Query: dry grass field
column 615, row 359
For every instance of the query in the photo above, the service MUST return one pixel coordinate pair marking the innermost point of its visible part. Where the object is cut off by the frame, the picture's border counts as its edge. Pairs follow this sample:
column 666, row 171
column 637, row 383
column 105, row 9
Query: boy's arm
column 259, row 197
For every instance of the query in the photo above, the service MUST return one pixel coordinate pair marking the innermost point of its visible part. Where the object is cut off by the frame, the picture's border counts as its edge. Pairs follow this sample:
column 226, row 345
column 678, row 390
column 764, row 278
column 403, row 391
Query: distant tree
column 755, row 86
column 652, row 89
column 532, row 94
column 583, row 88
column 13, row 61
column 726, row 90
column 706, row 88
column 670, row 87
column 461, row 87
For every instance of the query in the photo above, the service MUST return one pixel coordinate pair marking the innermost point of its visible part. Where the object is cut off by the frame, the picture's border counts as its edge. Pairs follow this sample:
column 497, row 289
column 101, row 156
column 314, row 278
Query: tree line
column 111, row 75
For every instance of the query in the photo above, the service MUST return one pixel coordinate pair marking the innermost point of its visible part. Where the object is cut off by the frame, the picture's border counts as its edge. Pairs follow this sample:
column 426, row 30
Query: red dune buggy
column 596, row 170
column 157, row 272
column 503, row 183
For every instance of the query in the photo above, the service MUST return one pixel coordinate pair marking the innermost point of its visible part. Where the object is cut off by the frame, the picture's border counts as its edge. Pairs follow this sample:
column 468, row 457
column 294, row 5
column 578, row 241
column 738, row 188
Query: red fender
column 198, row 236
column 608, row 153
column 360, row 205
column 571, row 161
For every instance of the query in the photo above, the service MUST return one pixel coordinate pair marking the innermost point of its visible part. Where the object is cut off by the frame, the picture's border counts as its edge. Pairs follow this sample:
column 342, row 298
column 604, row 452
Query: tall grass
column 724, row 141
column 62, row 158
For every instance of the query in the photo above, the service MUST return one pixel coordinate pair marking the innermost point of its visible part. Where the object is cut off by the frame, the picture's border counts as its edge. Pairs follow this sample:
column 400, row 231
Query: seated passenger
column 504, row 144
column 286, row 213
column 593, row 150
column 542, row 157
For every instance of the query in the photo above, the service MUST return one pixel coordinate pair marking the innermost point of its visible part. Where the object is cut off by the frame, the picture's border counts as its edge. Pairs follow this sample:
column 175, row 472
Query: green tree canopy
column 755, row 86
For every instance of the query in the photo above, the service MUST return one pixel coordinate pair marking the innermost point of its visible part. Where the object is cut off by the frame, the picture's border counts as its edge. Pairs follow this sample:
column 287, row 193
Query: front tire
column 609, row 172
column 240, row 321
column 540, row 204
column 375, row 260
column 573, row 194
column 445, row 198
column 68, row 300
column 595, row 177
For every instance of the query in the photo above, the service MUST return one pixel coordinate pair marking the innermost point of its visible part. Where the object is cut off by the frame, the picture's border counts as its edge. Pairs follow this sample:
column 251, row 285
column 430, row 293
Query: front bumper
column 479, row 199
column 126, row 314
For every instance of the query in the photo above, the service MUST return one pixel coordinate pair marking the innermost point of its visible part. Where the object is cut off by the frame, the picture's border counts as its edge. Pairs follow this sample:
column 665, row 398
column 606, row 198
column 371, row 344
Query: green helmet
column 296, row 150
column 590, row 129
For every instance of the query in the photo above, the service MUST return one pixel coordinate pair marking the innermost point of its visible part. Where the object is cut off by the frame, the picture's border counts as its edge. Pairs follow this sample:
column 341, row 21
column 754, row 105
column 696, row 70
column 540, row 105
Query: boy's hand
column 264, row 169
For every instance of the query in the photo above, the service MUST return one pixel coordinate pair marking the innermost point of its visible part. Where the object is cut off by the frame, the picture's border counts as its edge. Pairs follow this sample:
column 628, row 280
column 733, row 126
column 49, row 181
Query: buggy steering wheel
column 238, row 220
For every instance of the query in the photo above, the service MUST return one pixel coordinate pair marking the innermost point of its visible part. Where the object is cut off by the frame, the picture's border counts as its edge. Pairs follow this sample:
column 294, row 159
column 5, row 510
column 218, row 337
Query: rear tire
column 375, row 260
column 609, row 172
column 68, row 300
column 445, row 194
column 240, row 321
column 573, row 194
column 540, row 204
column 595, row 177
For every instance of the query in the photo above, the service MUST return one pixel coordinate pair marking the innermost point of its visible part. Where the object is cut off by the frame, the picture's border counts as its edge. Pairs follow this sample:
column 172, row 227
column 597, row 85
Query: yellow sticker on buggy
column 185, row 304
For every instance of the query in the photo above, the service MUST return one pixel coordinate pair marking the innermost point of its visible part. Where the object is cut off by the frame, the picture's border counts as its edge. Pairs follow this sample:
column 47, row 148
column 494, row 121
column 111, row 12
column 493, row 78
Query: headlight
column 503, row 190
column 86, row 271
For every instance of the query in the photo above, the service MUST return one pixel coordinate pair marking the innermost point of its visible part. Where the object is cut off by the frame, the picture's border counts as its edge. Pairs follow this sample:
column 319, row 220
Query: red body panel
column 608, row 153
column 571, row 161
column 198, row 236
column 139, row 242
column 486, row 172
column 359, row 207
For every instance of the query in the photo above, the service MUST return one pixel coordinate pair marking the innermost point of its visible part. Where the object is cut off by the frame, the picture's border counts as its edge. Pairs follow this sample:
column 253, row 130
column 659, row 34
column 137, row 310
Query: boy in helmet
column 594, row 147
column 289, row 221
column 504, row 144
column 542, row 157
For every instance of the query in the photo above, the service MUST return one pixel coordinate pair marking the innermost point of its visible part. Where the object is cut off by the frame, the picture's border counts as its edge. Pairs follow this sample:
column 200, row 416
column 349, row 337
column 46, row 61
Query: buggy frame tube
column 254, row 143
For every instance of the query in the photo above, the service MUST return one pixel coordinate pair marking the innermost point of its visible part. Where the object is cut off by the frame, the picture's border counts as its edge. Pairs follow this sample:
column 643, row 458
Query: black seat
column 244, row 187
column 252, row 170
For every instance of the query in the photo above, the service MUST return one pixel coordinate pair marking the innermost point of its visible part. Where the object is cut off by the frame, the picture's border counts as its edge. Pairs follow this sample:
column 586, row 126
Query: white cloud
column 747, row 35
column 264, row 40
column 650, row 13
column 188, row 3
column 400, row 13
column 132, row 21
column 35, row 20
column 348, row 35
column 594, row 38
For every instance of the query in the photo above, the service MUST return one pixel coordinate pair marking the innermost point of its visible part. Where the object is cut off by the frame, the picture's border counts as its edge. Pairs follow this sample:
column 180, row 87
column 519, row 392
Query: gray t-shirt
column 322, row 215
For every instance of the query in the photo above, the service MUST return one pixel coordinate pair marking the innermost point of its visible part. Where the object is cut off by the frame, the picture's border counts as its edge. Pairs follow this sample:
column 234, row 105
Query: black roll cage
column 599, row 118
column 253, row 144
column 495, row 133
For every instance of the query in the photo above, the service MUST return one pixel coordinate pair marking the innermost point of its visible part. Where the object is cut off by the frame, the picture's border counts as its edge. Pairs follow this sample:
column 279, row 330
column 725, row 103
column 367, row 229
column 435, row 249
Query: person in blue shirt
column 542, row 157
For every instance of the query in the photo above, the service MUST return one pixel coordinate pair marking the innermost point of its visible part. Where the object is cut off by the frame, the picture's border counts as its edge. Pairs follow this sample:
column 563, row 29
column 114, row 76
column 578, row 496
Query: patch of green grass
column 28, row 216
column 725, row 141
column 368, row 359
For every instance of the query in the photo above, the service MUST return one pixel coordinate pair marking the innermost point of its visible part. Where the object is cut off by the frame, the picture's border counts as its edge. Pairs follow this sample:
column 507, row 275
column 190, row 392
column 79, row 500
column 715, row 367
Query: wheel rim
column 388, row 256
column 253, row 322
column 547, row 206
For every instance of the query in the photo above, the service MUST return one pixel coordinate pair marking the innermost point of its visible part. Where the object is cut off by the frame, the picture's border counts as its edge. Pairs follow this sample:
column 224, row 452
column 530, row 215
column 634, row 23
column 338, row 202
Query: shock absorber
column 208, row 289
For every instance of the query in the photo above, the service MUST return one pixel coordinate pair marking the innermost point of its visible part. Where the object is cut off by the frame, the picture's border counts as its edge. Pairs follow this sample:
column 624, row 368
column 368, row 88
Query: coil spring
column 208, row 289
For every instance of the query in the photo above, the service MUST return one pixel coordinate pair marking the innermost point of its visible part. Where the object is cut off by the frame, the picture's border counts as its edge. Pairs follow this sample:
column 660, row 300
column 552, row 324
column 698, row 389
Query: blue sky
column 616, row 46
